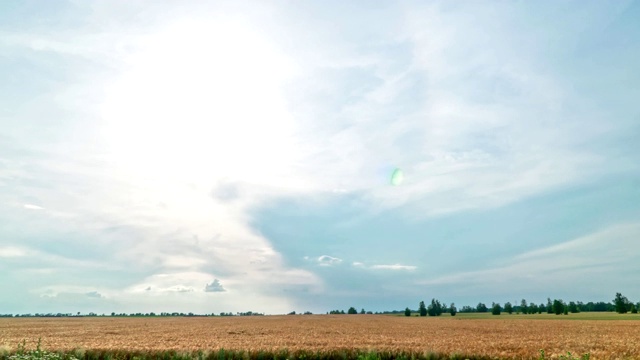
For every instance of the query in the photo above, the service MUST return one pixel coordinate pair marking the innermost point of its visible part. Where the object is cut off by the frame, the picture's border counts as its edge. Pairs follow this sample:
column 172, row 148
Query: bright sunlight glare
column 200, row 102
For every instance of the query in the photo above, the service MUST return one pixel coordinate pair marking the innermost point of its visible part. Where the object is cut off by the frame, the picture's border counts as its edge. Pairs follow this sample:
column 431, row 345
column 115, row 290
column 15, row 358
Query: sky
column 232, row 156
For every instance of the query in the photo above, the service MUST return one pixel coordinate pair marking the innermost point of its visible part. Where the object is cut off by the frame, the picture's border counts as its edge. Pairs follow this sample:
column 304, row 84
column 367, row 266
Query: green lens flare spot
column 397, row 177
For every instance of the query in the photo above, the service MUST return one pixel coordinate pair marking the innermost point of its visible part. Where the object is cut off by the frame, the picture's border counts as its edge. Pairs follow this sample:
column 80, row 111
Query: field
column 504, row 336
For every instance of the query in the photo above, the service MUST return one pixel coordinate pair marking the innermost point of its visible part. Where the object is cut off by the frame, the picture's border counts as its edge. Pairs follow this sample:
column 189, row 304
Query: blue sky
column 236, row 156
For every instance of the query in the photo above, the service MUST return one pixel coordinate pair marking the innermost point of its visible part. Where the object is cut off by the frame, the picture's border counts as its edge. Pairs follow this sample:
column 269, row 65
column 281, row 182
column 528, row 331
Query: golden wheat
column 603, row 339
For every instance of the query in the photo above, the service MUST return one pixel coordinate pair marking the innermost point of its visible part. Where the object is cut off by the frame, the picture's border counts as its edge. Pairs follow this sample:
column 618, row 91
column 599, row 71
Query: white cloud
column 394, row 267
column 33, row 207
column 326, row 260
column 215, row 286
column 391, row 267
column 12, row 252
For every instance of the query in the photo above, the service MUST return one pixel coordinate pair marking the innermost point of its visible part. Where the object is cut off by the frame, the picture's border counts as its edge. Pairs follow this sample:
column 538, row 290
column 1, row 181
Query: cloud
column 68, row 291
column 33, row 207
column 604, row 257
column 181, row 289
column 394, row 267
column 12, row 252
column 326, row 260
column 473, row 125
column 215, row 286
column 94, row 294
column 226, row 192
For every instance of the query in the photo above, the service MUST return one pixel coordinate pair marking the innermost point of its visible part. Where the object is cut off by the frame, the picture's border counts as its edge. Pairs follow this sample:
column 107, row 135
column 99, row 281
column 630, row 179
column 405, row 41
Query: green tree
column 435, row 308
column 422, row 309
column 431, row 309
column 495, row 309
column 452, row 309
column 362, row 311
column 352, row 310
column 634, row 309
column 558, row 306
column 549, row 306
column 573, row 308
column 481, row 308
column 620, row 302
column 533, row 308
column 541, row 308
column 407, row 312
column 508, row 308
column 523, row 306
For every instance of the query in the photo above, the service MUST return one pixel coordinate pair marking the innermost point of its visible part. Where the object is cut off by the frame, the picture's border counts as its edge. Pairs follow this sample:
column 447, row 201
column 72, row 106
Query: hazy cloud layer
column 150, row 148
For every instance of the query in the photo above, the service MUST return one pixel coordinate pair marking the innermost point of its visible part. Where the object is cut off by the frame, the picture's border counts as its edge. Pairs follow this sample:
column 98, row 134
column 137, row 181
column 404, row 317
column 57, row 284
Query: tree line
column 620, row 305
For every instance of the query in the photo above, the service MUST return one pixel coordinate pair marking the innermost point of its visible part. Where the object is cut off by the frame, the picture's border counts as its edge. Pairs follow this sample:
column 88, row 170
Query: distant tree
column 362, row 311
column 495, row 309
column 436, row 308
column 481, row 308
column 422, row 309
column 352, row 310
column 407, row 312
column 452, row 309
column 541, row 308
column 573, row 308
column 523, row 306
column 292, row 313
column 558, row 306
column 620, row 302
column 431, row 309
column 634, row 309
column 467, row 309
column 533, row 308
column 508, row 308
column 549, row 306
column 369, row 312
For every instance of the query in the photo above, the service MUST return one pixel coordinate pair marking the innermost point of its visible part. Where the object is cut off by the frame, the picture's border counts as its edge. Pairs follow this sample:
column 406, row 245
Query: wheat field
column 502, row 337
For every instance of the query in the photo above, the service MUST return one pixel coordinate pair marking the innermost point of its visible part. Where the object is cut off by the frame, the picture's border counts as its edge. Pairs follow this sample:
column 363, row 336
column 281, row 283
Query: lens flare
column 397, row 177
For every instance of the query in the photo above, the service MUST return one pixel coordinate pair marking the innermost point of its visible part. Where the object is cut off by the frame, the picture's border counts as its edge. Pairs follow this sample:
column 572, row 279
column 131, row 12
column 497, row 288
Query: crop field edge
column 281, row 354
